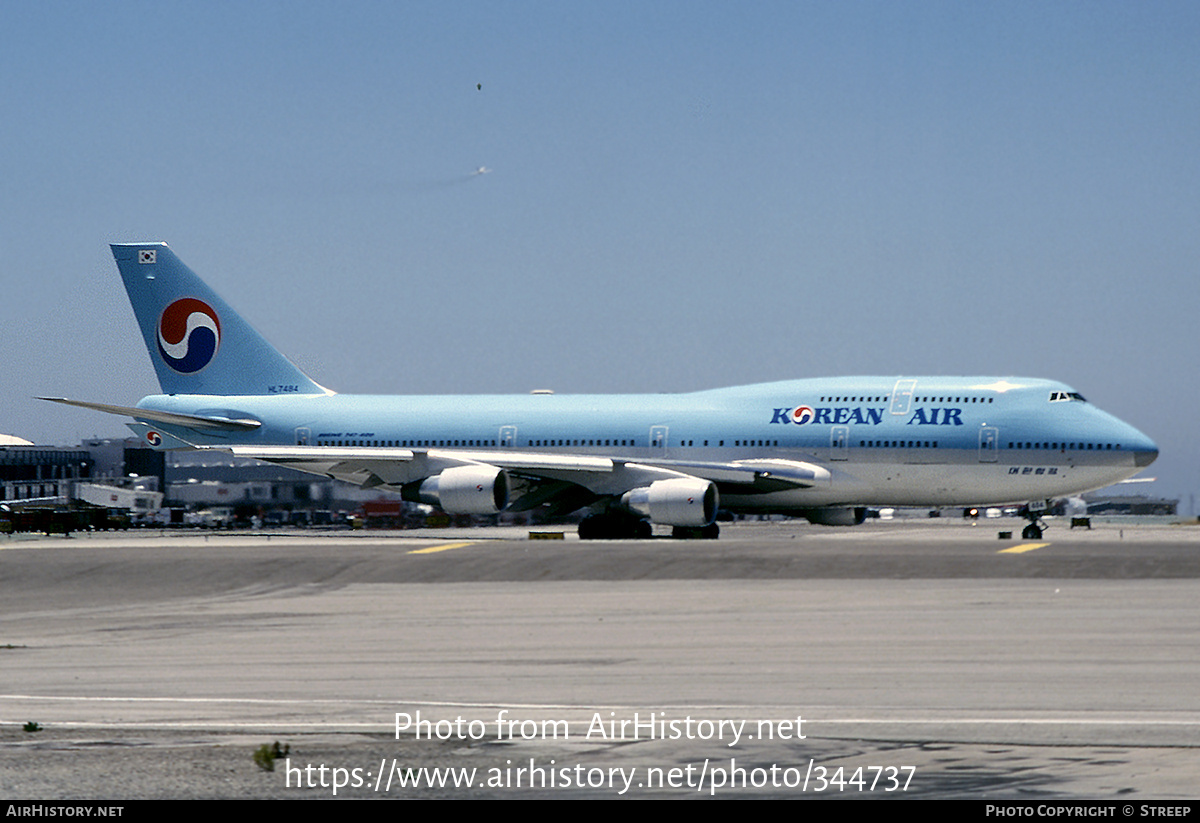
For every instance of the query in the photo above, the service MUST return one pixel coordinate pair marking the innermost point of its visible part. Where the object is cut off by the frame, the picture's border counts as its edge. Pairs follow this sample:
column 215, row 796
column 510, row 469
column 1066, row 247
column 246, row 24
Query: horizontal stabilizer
column 191, row 421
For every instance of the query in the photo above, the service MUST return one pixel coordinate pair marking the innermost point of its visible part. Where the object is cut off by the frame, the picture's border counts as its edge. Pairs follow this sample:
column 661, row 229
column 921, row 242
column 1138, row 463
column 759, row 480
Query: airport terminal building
column 30, row 472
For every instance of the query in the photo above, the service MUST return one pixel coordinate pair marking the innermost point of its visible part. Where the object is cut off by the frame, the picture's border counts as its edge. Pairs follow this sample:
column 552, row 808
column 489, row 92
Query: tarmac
column 910, row 658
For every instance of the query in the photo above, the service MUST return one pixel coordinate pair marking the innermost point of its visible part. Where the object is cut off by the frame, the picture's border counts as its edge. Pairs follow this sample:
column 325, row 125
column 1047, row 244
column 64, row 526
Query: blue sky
column 682, row 195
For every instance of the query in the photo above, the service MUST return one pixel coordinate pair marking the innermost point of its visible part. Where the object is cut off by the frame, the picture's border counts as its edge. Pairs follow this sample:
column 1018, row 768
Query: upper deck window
column 1066, row 396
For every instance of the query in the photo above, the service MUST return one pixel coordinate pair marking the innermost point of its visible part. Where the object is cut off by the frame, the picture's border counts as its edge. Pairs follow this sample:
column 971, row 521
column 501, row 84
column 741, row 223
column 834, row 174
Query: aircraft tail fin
column 197, row 343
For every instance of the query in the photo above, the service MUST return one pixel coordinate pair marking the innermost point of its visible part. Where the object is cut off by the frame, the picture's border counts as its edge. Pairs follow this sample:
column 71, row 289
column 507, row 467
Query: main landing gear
column 710, row 532
column 614, row 526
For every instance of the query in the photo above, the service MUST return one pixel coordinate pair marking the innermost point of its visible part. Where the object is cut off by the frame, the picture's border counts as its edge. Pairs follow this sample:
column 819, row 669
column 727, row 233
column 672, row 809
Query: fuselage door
column 839, row 442
column 989, row 437
column 303, row 436
column 658, row 438
column 508, row 437
column 902, row 396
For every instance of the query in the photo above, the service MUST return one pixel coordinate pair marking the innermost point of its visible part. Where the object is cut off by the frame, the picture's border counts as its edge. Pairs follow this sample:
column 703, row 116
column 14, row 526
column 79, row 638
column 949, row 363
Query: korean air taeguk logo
column 189, row 334
column 802, row 414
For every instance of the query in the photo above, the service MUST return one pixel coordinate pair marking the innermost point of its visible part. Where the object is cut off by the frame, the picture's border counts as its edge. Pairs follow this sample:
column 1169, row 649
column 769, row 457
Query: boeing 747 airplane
column 824, row 449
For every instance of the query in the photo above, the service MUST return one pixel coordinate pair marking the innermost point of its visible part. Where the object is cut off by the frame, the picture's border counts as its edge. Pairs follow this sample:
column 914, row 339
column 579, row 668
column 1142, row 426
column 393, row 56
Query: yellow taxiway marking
column 1024, row 547
column 445, row 547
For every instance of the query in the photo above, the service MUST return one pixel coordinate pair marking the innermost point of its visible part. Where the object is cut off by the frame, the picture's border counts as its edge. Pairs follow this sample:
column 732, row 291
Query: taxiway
column 1061, row 668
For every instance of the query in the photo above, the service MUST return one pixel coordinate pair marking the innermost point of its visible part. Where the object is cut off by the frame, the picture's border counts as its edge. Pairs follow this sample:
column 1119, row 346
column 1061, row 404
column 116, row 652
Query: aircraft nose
column 1145, row 450
column 1145, row 455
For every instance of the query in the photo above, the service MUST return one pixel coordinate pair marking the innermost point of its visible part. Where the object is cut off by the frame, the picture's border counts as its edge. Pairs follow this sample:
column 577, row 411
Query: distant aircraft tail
column 197, row 343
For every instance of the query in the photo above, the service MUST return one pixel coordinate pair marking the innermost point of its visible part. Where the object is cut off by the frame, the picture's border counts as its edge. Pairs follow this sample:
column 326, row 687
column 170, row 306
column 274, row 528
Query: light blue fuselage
column 886, row 440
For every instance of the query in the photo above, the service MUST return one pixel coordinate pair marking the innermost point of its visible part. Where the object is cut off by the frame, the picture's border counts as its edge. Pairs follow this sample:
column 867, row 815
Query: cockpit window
column 1066, row 397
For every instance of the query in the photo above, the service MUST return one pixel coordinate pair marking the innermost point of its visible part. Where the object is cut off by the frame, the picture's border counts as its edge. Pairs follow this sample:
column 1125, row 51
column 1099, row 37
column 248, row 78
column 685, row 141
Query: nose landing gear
column 1033, row 513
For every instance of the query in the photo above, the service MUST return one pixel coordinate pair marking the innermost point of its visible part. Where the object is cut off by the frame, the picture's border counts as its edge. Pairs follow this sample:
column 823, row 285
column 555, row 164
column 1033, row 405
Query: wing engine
column 473, row 489
column 677, row 501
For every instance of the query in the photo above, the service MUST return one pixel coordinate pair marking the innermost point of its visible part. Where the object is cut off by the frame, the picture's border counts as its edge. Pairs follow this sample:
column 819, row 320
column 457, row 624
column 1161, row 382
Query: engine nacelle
column 836, row 516
column 467, row 490
column 678, row 501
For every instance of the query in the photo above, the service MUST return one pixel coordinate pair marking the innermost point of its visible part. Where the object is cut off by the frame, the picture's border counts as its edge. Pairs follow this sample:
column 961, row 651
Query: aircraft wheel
column 591, row 528
column 1031, row 532
column 709, row 532
column 610, row 527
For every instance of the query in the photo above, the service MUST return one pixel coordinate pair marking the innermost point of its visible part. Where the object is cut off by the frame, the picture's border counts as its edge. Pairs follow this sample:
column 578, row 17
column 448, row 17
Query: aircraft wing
column 540, row 477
